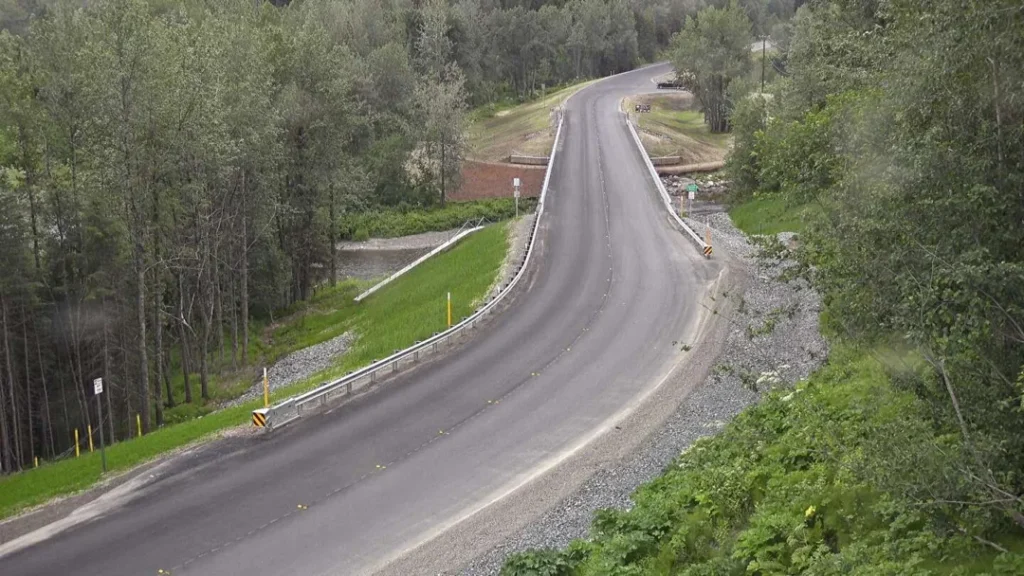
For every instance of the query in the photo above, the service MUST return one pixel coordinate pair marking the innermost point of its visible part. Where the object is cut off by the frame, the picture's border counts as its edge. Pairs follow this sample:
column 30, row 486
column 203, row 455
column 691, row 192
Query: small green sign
column 691, row 187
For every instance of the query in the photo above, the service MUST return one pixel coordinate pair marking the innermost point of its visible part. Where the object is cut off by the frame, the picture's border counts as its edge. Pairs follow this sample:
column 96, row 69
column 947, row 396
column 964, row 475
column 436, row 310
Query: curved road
column 344, row 492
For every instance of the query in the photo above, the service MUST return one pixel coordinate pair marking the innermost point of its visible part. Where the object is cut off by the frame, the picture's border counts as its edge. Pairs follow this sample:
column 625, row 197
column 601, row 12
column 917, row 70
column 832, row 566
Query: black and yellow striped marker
column 707, row 251
column 259, row 418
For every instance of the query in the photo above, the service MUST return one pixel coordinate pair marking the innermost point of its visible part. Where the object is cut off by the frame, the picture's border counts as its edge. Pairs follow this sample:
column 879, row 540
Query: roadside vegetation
column 893, row 144
column 404, row 220
column 410, row 309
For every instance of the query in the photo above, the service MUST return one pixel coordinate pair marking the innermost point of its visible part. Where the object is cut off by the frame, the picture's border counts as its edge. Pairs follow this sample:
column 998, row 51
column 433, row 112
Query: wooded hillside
column 171, row 173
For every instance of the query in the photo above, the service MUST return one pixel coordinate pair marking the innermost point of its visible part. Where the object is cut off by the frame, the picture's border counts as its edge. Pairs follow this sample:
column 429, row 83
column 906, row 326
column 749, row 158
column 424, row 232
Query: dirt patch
column 494, row 180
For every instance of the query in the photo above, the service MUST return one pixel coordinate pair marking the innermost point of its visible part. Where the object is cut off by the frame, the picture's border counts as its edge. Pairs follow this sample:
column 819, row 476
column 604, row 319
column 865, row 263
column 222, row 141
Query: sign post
column 97, row 389
column 691, row 192
column 266, row 390
column 515, row 188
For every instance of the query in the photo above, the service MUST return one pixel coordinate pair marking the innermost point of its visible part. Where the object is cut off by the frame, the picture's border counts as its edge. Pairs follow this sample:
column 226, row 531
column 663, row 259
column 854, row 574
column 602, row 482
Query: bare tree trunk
column 442, row 169
column 6, row 459
column 158, row 349
column 107, row 376
column 140, row 309
column 218, row 297
column 48, row 429
column 28, row 386
column 245, row 276
column 12, row 396
column 186, row 364
column 332, row 238
column 234, row 324
column 158, row 320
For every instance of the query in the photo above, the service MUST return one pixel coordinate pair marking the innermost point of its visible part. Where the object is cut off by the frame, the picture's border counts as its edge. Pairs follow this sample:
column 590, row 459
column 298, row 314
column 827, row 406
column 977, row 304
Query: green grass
column 769, row 215
column 390, row 223
column 497, row 130
column 689, row 123
column 675, row 127
column 412, row 308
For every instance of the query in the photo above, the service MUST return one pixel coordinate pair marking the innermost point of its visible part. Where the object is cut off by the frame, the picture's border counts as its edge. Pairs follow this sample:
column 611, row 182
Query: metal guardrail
column 462, row 233
column 293, row 408
column 704, row 246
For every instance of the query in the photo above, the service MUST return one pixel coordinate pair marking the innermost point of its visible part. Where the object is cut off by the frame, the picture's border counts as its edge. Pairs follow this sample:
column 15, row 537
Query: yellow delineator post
column 138, row 424
column 37, row 461
column 707, row 236
column 266, row 390
column 89, row 429
column 77, row 449
column 449, row 309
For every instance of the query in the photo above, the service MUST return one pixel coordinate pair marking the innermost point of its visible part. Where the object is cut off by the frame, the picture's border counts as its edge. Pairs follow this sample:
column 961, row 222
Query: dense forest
column 895, row 139
column 171, row 171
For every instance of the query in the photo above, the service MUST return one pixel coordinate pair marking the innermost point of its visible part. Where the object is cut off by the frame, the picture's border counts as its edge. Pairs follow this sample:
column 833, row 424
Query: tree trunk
column 140, row 309
column 28, row 387
column 46, row 401
column 204, row 292
column 218, row 296
column 332, row 238
column 234, row 324
column 186, row 364
column 244, row 281
column 158, row 308
column 12, row 396
column 443, row 170
column 107, row 377
column 6, row 460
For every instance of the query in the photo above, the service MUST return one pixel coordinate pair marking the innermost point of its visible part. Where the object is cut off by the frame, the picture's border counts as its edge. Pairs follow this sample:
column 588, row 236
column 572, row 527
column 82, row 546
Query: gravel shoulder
column 771, row 335
column 518, row 236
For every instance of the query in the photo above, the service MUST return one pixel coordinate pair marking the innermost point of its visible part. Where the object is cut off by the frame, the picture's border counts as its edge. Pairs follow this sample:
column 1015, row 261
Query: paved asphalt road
column 346, row 491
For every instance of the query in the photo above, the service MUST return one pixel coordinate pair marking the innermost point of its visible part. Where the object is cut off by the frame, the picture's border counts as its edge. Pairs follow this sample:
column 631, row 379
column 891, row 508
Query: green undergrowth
column 410, row 309
column 805, row 482
column 391, row 223
column 770, row 215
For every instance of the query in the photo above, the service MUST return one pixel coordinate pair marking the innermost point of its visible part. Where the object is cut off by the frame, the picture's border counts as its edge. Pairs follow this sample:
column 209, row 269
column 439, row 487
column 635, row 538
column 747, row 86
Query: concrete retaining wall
column 528, row 160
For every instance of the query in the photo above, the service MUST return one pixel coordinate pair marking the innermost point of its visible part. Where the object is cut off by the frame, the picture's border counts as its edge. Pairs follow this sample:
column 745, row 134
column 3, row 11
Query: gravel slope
column 299, row 365
column 793, row 348
column 518, row 236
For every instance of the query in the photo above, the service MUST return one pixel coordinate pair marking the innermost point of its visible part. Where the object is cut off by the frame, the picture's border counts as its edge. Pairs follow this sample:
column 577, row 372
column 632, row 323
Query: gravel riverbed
column 773, row 337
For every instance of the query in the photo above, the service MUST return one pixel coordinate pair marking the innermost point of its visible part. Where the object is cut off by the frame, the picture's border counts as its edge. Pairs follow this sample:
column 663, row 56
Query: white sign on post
column 515, row 186
column 97, row 386
column 691, row 193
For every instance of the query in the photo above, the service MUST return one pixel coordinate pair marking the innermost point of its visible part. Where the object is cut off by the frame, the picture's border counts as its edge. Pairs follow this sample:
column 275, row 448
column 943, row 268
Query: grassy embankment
column 412, row 308
column 497, row 130
column 675, row 127
column 805, row 482
column 770, row 215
